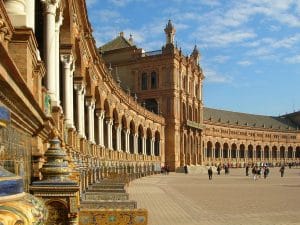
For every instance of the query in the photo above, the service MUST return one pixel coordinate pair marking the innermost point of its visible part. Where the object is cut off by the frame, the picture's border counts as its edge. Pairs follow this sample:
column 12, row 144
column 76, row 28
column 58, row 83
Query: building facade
column 168, row 83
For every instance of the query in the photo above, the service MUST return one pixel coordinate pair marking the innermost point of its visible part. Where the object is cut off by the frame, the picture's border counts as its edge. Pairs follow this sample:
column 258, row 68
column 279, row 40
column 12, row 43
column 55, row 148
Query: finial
column 130, row 39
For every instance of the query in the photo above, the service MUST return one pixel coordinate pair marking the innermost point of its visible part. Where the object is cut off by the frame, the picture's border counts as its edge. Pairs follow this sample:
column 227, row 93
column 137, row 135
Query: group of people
column 165, row 169
column 257, row 171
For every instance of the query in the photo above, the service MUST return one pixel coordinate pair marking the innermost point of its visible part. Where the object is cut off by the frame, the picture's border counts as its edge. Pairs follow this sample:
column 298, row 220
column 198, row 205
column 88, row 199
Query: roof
column 117, row 43
column 248, row 120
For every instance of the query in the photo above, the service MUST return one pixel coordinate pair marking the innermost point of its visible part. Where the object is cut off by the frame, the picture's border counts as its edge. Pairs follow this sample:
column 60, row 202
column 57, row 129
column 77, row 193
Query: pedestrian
column 281, row 170
column 247, row 170
column 185, row 169
column 265, row 172
column 167, row 168
column 210, row 173
column 219, row 169
column 254, row 172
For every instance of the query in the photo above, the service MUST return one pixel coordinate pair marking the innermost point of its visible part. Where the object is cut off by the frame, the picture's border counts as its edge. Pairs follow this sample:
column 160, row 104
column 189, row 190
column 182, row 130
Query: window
column 144, row 81
column 153, row 80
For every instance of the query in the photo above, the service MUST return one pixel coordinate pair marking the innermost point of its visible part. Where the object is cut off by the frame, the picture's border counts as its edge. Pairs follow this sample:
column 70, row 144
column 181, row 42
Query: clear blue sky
column 250, row 49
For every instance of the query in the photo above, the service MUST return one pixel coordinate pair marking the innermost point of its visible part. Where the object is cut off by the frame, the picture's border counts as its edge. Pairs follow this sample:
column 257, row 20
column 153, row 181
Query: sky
column 250, row 49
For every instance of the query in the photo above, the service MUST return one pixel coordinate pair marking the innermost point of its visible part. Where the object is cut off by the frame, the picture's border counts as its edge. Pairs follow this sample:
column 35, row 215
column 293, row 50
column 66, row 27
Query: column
column 67, row 60
column 109, row 123
column 50, row 13
column 213, row 153
column 135, row 143
column 57, row 80
column 16, row 10
column 152, row 146
column 119, row 135
column 90, row 103
column 80, row 90
column 127, row 141
column 100, row 114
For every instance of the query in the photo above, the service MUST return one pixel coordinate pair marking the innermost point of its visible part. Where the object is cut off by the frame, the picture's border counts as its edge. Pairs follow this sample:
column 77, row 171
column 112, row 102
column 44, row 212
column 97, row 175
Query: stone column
column 50, row 42
column 152, row 146
column 119, row 135
column 90, row 103
column 109, row 123
column 213, row 153
column 127, row 141
column 144, row 145
column 135, row 143
column 100, row 116
column 67, row 60
column 80, row 90
column 57, row 80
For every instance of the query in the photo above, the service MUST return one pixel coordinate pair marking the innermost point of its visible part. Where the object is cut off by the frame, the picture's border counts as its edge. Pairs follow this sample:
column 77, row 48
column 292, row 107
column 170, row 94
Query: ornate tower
column 170, row 33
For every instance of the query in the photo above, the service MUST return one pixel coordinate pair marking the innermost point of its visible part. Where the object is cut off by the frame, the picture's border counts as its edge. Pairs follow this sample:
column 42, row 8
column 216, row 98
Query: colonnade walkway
column 234, row 199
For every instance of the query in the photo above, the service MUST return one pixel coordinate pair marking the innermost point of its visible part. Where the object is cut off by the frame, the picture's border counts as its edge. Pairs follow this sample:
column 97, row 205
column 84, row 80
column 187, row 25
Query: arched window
column 144, row 81
column 153, row 80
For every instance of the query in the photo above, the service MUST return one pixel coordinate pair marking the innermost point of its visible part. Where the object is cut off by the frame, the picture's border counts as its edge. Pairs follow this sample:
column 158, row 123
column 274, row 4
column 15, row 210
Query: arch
column 250, row 151
column 282, row 152
column 105, row 122
column 157, row 144
column 140, row 139
column 274, row 152
column 115, row 129
column 225, row 150
column 123, row 133
column 266, row 152
column 290, row 152
column 131, row 137
column 242, row 151
column 217, row 150
column 258, row 152
column 209, row 149
column 233, row 151
column 58, row 213
column 148, row 141
column 297, row 153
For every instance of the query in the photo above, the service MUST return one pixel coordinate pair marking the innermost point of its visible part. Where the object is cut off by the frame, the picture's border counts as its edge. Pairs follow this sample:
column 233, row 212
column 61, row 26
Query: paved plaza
column 234, row 199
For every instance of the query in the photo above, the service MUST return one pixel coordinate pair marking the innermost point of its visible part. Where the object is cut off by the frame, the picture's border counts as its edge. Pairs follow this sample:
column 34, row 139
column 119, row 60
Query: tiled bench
column 108, row 204
column 106, row 196
column 113, row 216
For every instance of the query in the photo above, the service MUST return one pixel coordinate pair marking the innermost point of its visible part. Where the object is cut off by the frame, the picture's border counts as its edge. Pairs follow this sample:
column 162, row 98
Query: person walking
column 281, row 170
column 210, row 173
column 185, row 169
column 247, row 170
column 219, row 169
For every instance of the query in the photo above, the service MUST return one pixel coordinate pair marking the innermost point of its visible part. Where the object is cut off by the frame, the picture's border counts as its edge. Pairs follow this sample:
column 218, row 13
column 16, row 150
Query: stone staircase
column 107, row 202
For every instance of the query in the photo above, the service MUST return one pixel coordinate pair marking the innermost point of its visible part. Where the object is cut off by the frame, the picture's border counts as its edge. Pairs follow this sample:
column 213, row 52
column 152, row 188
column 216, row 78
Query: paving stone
column 192, row 199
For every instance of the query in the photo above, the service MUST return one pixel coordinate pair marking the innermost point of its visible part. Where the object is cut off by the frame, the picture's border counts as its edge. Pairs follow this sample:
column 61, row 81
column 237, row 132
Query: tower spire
column 170, row 33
